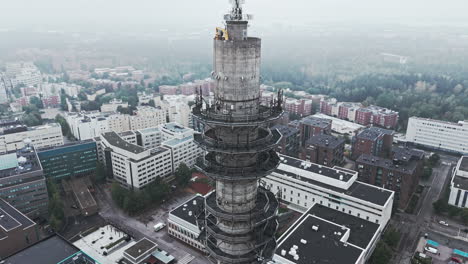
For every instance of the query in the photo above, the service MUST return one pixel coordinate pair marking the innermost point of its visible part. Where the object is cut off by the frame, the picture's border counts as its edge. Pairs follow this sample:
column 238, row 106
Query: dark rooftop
column 328, row 243
column 286, row 131
column 52, row 250
column 193, row 205
column 10, row 218
column 464, row 164
column 373, row 133
column 362, row 231
column 126, row 133
column 325, row 141
column 316, row 121
column 460, row 182
column 404, row 167
column 116, row 141
column 405, row 154
column 27, row 161
column 141, row 248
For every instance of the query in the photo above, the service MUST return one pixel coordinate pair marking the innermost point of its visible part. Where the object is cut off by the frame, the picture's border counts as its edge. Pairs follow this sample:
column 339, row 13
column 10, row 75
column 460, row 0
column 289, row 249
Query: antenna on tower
column 236, row 12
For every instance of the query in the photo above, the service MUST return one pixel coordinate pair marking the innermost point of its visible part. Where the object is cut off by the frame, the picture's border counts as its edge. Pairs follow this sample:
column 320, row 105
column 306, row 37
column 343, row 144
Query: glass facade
column 69, row 161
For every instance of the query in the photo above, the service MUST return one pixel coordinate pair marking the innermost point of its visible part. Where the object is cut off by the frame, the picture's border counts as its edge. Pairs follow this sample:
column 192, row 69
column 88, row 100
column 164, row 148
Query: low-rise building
column 22, row 182
column 70, row 160
column 341, row 126
column 459, row 184
column 113, row 105
column 323, row 235
column 17, row 231
column 49, row 135
column 324, row 150
column 182, row 222
column 134, row 166
column 400, row 173
column 436, row 134
column 301, row 184
column 373, row 141
column 53, row 249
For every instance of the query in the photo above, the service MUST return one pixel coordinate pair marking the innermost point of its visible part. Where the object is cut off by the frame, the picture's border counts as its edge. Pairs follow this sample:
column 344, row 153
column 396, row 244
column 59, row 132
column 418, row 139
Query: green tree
column 64, row 125
column 152, row 103
column 392, row 237
column 183, row 174
column 37, row 102
column 100, row 175
column 427, row 172
column 382, row 254
column 440, row 206
column 118, row 194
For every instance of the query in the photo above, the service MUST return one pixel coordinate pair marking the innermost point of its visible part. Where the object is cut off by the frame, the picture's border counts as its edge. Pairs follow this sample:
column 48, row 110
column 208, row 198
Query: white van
column 431, row 249
column 159, row 226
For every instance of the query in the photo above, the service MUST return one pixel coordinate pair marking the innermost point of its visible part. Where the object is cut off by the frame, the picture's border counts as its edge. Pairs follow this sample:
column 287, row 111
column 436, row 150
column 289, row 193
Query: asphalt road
column 138, row 229
column 411, row 226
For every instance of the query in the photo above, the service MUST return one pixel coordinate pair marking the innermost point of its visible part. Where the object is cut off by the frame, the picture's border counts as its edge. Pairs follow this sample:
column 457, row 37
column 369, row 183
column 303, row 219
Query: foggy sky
column 201, row 13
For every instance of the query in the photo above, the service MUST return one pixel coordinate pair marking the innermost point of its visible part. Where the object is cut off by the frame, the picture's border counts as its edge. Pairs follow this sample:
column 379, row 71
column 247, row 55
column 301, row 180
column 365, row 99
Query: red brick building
column 313, row 126
column 325, row 150
column 372, row 141
column 168, row 90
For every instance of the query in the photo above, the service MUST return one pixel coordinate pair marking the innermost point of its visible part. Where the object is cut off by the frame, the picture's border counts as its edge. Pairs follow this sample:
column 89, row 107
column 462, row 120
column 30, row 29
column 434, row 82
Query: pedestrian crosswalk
column 187, row 259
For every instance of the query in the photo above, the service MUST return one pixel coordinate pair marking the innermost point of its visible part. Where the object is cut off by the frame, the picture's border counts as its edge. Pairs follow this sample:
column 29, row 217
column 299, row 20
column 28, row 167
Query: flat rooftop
column 406, row 154
column 141, row 248
column 52, row 250
column 10, row 219
column 336, row 173
column 326, row 141
column 116, row 141
column 286, row 131
column 464, row 164
column 126, row 133
column 373, row 133
column 176, row 141
column 407, row 167
column 149, row 130
column 176, row 128
column 316, row 122
column 322, row 235
column 26, row 161
column 188, row 211
column 460, row 182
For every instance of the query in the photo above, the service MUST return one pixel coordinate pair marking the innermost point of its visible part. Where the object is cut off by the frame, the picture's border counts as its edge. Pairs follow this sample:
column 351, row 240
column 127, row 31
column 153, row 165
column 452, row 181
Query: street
column 138, row 229
column 412, row 226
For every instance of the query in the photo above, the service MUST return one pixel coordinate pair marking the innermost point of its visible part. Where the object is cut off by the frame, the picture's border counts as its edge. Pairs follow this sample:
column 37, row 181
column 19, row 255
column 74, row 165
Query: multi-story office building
column 182, row 222
column 149, row 137
column 146, row 117
column 134, row 166
column 17, row 230
column 49, row 135
column 22, row 182
column 183, row 150
column 75, row 159
column 324, row 235
column 373, row 141
column 301, row 184
column 290, row 142
column 459, row 184
column 324, row 150
column 401, row 173
column 452, row 137
column 89, row 125
column 313, row 126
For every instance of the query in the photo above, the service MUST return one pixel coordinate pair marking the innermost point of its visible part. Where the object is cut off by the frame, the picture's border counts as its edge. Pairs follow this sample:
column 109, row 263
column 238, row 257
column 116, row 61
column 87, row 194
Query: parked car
column 159, row 226
column 443, row 223
column 456, row 260
column 431, row 249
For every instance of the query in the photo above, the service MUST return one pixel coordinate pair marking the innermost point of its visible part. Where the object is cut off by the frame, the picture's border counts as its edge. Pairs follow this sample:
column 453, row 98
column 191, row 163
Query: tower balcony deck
column 266, row 207
column 217, row 117
column 267, row 139
column 266, row 163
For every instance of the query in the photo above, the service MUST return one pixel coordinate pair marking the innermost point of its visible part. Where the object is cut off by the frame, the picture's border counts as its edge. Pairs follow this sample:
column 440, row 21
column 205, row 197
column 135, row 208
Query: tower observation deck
column 240, row 217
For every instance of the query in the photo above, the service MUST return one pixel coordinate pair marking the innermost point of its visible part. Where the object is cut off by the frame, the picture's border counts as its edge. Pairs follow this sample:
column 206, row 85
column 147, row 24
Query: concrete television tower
column 240, row 218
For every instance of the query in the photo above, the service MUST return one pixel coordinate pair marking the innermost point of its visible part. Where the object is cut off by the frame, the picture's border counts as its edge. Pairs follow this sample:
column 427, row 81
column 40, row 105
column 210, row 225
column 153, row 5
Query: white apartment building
column 182, row 222
column 49, row 135
column 302, row 184
column 149, row 137
column 134, row 166
column 3, row 89
column 147, row 116
column 55, row 89
column 24, row 73
column 113, row 105
column 92, row 124
column 177, row 108
column 459, row 184
column 437, row 134
column 180, row 141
